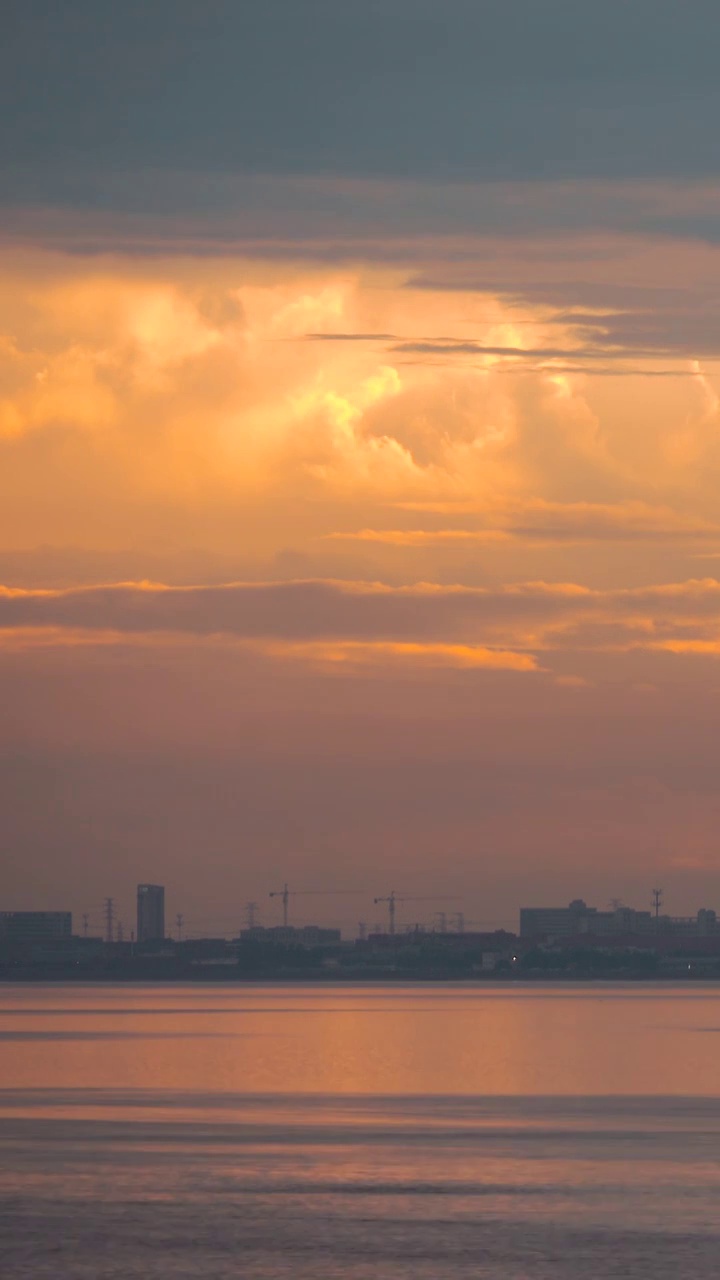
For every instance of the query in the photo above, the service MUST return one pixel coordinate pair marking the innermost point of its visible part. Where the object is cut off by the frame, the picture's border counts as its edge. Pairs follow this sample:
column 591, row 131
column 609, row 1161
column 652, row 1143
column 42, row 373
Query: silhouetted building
column 309, row 935
column 556, row 922
column 621, row 920
column 706, row 921
column 150, row 912
column 27, row 926
column 579, row 922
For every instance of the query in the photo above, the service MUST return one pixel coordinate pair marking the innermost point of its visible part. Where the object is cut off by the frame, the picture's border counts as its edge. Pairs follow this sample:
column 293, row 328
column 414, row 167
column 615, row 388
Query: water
column 387, row 1133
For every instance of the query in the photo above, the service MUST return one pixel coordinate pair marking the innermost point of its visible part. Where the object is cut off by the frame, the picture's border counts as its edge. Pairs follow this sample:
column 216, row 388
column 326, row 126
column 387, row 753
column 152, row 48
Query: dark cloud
column 64, row 1036
column 479, row 91
column 641, row 321
column 311, row 610
column 692, row 331
column 460, row 347
column 333, row 217
column 350, row 337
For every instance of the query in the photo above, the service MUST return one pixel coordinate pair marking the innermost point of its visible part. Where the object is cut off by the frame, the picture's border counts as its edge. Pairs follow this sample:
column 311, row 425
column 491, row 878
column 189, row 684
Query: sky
column 359, row 456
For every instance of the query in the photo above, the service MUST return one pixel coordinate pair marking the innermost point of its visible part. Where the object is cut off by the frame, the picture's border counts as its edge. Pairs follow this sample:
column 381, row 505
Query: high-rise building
column 150, row 912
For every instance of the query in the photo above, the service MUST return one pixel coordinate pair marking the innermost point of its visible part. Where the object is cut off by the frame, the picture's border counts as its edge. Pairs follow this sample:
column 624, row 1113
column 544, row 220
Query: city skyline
column 388, row 914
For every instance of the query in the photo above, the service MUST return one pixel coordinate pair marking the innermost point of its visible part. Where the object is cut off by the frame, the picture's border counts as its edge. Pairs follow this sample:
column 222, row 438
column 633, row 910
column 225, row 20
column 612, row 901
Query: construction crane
column 286, row 894
column 392, row 900
column 109, row 919
column 283, row 893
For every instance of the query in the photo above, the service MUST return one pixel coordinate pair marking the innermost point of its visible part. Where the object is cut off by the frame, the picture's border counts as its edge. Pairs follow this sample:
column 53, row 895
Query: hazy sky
column 359, row 454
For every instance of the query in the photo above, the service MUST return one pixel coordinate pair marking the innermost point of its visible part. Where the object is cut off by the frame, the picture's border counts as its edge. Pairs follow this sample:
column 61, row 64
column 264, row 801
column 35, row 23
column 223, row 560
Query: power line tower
column 657, row 900
column 459, row 919
column 250, row 909
column 119, row 934
column 362, row 930
column 179, row 921
column 86, row 921
column 441, row 917
column 109, row 919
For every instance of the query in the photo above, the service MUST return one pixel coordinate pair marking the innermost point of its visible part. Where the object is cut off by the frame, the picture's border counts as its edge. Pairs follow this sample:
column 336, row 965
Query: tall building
column 150, row 912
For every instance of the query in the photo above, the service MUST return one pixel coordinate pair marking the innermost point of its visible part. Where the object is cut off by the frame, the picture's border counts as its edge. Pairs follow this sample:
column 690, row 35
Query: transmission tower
column 250, row 909
column 109, row 919
column 179, row 921
column 657, row 900
column 86, row 921
column 362, row 930
column 120, row 936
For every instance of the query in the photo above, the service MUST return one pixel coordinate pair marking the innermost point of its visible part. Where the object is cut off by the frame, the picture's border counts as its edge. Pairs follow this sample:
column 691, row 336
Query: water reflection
column 420, row 1040
column 363, row 1133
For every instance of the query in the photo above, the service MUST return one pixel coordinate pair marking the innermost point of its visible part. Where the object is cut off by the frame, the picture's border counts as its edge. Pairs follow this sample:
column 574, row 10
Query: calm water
column 392, row 1133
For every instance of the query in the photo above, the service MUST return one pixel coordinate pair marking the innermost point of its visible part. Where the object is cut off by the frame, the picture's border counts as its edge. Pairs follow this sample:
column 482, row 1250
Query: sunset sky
column 359, row 454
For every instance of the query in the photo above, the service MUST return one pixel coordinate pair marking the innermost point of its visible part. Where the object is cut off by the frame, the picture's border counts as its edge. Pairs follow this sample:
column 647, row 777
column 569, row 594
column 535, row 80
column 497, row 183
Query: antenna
column 109, row 919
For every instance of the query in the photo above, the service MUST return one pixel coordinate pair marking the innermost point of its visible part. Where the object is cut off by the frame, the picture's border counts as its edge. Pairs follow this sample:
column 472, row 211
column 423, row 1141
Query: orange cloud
column 189, row 383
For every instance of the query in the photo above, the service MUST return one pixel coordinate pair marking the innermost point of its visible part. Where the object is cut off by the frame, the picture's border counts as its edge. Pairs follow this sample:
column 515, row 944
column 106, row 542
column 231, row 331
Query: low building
column 309, row 935
column 31, row 926
column 625, row 920
column 557, row 922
